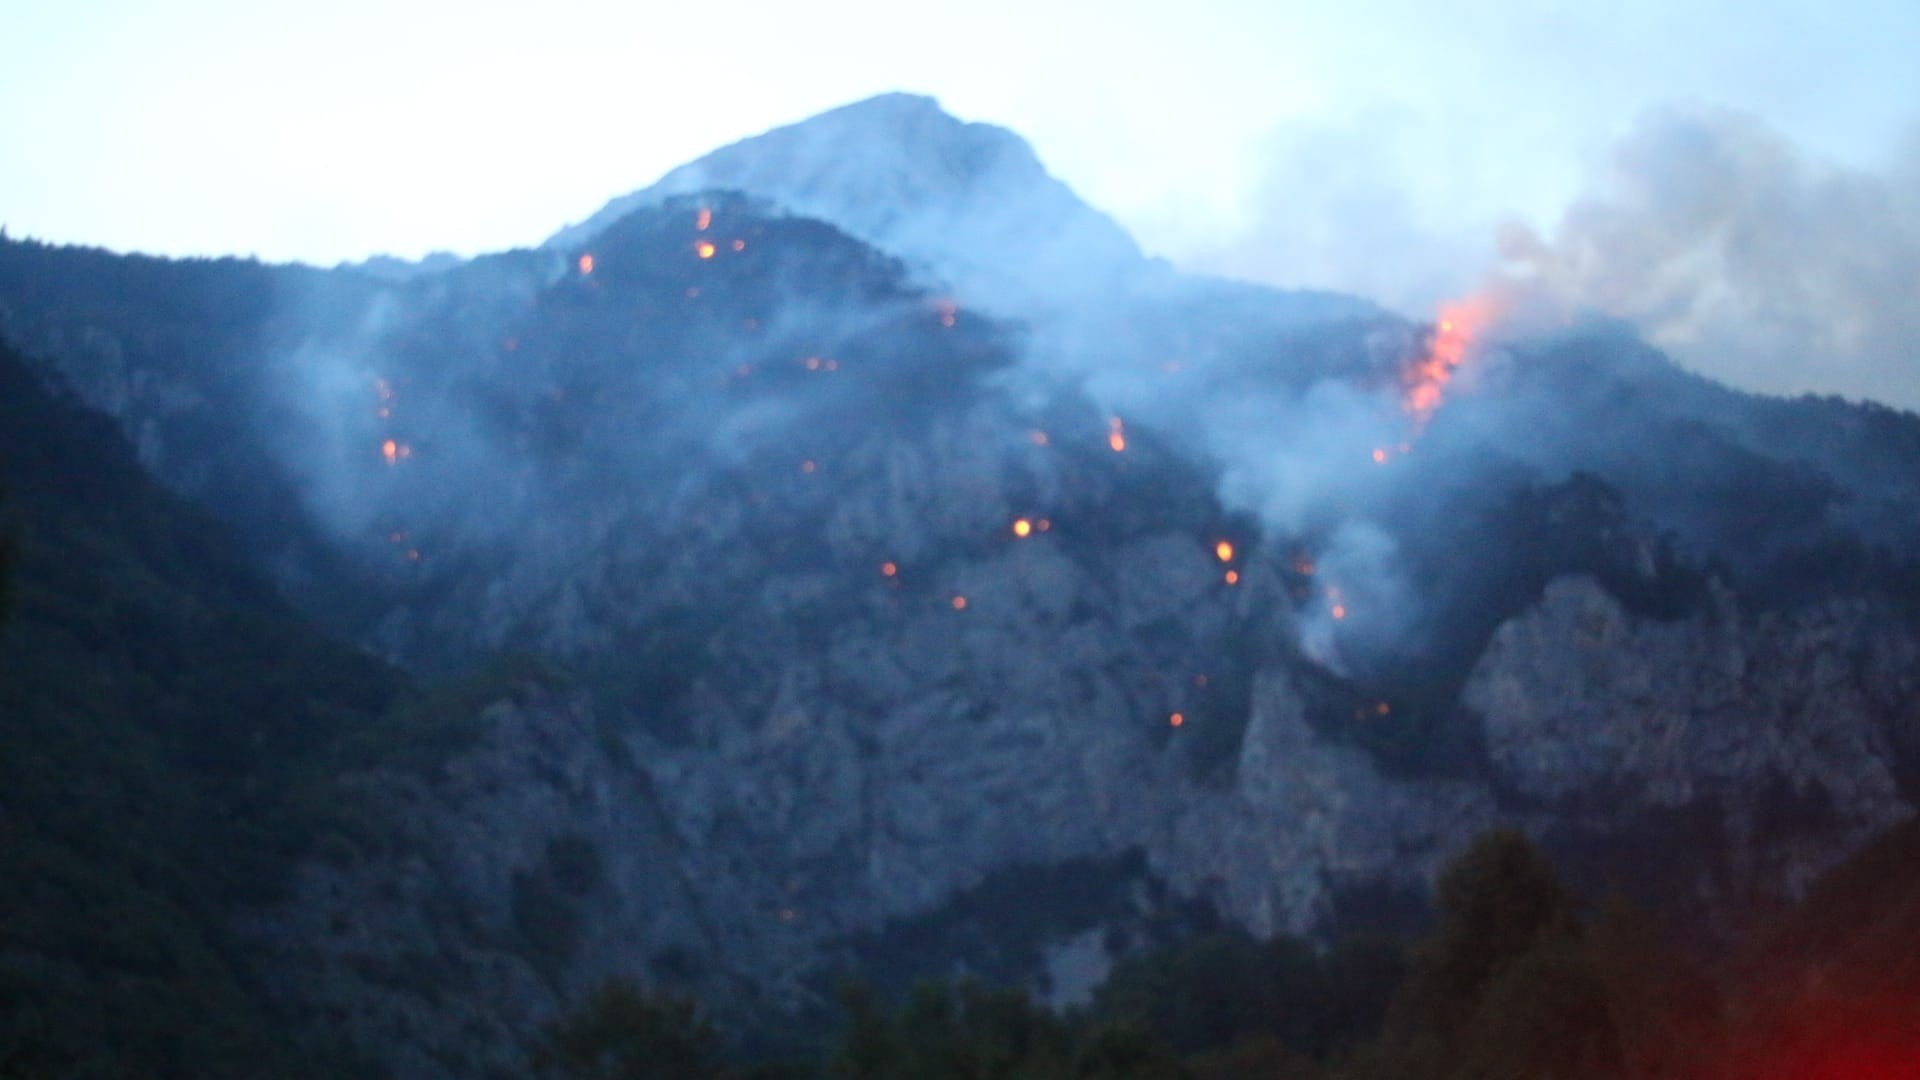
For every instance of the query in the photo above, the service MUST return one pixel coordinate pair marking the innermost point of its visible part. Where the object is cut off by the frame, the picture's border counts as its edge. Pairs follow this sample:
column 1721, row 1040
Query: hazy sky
column 1362, row 146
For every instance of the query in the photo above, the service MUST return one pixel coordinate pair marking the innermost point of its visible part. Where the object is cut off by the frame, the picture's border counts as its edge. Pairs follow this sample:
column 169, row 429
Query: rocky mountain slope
column 866, row 607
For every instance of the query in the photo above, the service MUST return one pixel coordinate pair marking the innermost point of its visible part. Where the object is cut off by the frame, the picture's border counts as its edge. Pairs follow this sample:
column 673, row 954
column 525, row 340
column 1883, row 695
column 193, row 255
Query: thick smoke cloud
column 1748, row 261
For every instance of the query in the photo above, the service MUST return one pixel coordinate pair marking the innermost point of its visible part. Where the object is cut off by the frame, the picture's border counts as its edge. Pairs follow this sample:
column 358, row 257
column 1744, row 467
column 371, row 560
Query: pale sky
column 1216, row 130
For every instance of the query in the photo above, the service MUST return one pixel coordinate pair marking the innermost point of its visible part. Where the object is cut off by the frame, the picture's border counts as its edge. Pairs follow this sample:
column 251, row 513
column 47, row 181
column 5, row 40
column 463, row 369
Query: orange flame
column 739, row 245
column 1022, row 528
column 1223, row 551
column 959, row 602
column 888, row 569
column 1037, row 437
column 1117, row 435
column 395, row 452
column 1424, row 381
column 703, row 219
column 704, row 249
column 1176, row 720
column 949, row 313
column 1233, row 577
column 1379, row 455
column 586, row 264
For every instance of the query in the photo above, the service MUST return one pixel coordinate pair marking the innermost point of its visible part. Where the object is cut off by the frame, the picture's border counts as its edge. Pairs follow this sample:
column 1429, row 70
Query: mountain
column 896, row 613
column 968, row 204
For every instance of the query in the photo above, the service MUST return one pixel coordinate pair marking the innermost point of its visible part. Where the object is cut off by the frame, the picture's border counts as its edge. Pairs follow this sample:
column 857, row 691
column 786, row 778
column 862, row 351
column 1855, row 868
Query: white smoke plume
column 1744, row 258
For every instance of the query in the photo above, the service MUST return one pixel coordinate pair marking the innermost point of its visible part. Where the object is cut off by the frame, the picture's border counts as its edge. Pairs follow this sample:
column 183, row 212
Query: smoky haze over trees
column 851, row 554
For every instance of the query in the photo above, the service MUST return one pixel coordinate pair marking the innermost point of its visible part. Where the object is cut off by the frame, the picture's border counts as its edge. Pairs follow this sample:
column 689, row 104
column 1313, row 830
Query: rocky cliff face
column 870, row 612
column 920, row 751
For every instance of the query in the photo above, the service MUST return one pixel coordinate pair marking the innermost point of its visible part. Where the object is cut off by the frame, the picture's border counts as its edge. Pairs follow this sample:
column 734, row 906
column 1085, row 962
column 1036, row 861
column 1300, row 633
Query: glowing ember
column 739, row 245
column 395, row 452
column 397, row 536
column 808, row 467
column 1382, row 709
column 1176, row 720
column 1037, row 437
column 1425, row 380
column 888, row 569
column 1117, row 435
column 949, row 313
column 1045, row 525
column 959, row 603
column 1223, row 551
column 813, row 363
column 1022, row 528
column 1233, row 577
column 1303, row 566
column 1379, row 455
column 1339, row 611
column 586, row 264
column 413, row 554
column 703, row 219
column 704, row 249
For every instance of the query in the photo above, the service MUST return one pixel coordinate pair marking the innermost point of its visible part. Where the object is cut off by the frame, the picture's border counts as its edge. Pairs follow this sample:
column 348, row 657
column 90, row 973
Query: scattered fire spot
column 1339, row 611
column 1117, row 435
column 1233, row 577
column 693, row 293
column 812, row 363
column 1022, row 528
column 1303, row 566
column 1176, row 720
column 704, row 249
column 888, row 569
column 739, row 245
column 949, row 313
column 959, row 602
column 808, row 467
column 397, row 536
column 413, row 554
column 586, row 265
column 1382, row 709
column 1037, row 437
column 383, row 413
column 787, row 914
column 1046, row 524
column 703, row 219
column 1223, row 551
column 1379, row 455
column 395, row 452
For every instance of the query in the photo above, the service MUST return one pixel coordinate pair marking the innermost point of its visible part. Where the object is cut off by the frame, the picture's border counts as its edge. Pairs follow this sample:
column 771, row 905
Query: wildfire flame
column 1037, row 437
column 888, row 569
column 1176, row 720
column 586, row 264
column 1023, row 527
column 703, row 219
column 1425, row 380
column 1117, row 435
column 1233, row 577
column 395, row 452
column 1223, row 551
column 739, row 245
column 959, row 602
column 949, row 313
column 704, row 249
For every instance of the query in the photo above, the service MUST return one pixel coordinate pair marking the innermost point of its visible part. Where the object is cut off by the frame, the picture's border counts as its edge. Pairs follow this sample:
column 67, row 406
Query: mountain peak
column 967, row 204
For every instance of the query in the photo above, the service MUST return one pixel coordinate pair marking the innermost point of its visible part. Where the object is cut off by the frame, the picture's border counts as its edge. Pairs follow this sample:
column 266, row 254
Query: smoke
column 1747, row 260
